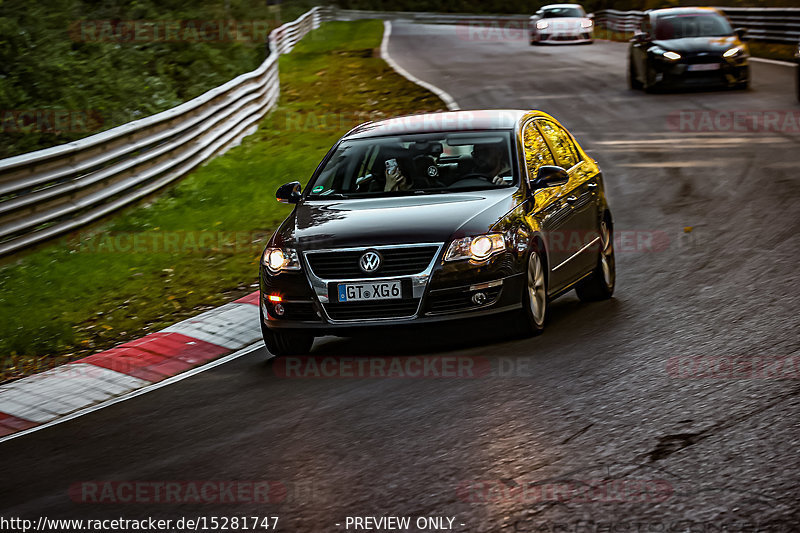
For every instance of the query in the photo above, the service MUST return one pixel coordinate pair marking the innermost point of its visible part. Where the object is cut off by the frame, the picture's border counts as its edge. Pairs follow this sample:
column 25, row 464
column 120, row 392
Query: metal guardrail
column 431, row 18
column 767, row 24
column 56, row 190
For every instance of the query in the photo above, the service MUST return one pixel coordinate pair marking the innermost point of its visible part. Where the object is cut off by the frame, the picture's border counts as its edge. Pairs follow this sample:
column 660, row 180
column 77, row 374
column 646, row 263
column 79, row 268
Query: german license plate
column 378, row 290
column 704, row 66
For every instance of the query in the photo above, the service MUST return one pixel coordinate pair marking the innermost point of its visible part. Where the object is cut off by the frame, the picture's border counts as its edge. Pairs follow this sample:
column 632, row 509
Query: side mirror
column 549, row 176
column 741, row 33
column 289, row 193
column 590, row 16
column 641, row 37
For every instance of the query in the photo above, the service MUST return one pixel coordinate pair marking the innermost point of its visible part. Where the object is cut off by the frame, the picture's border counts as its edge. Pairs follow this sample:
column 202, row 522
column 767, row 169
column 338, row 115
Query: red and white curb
column 64, row 391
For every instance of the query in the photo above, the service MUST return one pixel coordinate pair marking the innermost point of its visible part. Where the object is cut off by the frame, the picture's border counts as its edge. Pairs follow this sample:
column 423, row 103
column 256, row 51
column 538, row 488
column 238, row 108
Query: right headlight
column 476, row 248
column 735, row 52
column 279, row 259
column 541, row 25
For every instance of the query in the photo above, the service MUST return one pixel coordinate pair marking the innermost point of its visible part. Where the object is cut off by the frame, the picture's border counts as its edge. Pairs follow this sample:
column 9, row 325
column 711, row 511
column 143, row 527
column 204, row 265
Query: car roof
column 560, row 5
column 473, row 120
column 684, row 11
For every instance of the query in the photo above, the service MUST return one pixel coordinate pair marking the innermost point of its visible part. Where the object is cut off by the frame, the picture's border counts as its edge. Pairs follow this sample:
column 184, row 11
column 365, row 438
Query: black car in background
column 426, row 218
column 687, row 47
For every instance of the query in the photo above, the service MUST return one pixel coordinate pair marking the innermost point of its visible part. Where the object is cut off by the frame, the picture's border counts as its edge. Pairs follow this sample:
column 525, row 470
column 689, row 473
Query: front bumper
column 566, row 37
column 682, row 74
column 442, row 292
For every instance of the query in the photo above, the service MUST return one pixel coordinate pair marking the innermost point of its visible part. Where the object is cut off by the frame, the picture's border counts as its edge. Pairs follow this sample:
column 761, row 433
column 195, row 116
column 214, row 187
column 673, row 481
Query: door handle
column 571, row 199
column 591, row 185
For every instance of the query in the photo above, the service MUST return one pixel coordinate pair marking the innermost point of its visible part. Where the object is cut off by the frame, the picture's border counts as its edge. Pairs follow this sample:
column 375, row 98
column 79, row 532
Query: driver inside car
column 491, row 161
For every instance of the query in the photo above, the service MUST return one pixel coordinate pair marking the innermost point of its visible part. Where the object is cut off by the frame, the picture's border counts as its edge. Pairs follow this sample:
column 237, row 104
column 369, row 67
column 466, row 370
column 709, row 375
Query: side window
column 537, row 153
column 563, row 148
column 646, row 26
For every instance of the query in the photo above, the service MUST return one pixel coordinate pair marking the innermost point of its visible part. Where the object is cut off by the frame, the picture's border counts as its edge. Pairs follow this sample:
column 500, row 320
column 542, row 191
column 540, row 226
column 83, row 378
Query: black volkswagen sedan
column 437, row 217
column 688, row 46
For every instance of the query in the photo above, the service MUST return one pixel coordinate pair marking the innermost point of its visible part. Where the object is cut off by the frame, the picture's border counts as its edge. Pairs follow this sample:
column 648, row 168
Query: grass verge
column 197, row 245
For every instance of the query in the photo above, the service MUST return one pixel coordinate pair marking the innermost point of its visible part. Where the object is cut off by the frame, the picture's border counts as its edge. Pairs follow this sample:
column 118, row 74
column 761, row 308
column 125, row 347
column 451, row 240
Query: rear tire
column 600, row 283
column 534, row 314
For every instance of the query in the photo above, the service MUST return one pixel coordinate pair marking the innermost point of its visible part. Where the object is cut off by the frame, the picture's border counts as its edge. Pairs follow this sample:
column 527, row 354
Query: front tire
column 798, row 83
column 633, row 82
column 600, row 283
column 744, row 84
column 280, row 343
column 535, row 304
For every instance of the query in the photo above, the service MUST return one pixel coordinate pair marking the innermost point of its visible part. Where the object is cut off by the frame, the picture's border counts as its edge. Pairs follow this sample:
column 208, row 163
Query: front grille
column 449, row 301
column 371, row 310
column 401, row 261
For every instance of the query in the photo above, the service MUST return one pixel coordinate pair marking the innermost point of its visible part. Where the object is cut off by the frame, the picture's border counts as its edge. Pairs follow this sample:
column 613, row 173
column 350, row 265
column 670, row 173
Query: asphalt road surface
column 597, row 397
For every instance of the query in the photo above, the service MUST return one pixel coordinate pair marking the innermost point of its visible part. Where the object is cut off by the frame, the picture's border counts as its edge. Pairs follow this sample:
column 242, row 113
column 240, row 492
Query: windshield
column 559, row 12
column 417, row 164
column 694, row 25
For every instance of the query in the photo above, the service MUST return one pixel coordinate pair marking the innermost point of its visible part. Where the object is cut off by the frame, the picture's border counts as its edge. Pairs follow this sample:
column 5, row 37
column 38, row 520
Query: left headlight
column 586, row 23
column 279, row 259
column 476, row 248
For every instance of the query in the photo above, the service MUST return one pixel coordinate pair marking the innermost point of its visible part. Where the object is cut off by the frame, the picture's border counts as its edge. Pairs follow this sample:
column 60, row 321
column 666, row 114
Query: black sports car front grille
column 400, row 261
column 371, row 310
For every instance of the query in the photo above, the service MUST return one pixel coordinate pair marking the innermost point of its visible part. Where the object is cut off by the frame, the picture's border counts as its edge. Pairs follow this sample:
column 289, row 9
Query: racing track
column 597, row 402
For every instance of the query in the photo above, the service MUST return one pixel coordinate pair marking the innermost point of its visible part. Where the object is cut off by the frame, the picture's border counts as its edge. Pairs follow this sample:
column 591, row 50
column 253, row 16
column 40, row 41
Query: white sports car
column 561, row 23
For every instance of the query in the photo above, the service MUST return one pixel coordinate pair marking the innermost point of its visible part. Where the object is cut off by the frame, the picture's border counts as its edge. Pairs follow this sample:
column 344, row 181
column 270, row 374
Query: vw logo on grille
column 370, row 261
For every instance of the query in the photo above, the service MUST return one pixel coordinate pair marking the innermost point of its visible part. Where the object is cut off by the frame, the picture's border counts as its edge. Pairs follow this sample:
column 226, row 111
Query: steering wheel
column 472, row 176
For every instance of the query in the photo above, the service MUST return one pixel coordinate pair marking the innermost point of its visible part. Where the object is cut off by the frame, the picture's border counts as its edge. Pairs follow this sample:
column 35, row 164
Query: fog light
column 279, row 310
column 479, row 298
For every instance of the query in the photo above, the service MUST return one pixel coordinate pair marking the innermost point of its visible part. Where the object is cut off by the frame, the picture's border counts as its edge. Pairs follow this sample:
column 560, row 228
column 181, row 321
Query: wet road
column 604, row 394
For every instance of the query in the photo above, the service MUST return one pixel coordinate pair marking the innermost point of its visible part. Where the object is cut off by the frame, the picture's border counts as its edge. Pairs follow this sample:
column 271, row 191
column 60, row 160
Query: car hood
column 699, row 44
column 318, row 224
